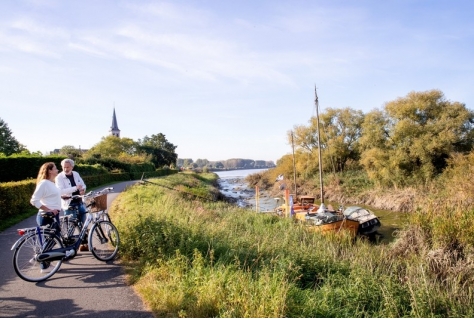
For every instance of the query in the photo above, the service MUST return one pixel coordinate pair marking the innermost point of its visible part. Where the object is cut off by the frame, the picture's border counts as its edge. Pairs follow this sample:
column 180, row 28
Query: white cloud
column 220, row 67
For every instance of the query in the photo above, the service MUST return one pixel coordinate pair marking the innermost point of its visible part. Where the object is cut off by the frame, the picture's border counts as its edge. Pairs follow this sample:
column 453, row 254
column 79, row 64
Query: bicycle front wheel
column 104, row 240
column 24, row 259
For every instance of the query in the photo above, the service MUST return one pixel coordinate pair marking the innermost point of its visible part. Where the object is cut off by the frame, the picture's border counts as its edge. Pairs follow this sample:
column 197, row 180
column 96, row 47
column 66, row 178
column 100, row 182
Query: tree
column 71, row 152
column 162, row 152
column 187, row 162
column 123, row 148
column 202, row 162
column 159, row 141
column 8, row 143
column 412, row 138
column 340, row 131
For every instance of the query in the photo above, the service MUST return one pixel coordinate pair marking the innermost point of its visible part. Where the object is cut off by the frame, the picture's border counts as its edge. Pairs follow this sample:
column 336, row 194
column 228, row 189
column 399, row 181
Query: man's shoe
column 83, row 248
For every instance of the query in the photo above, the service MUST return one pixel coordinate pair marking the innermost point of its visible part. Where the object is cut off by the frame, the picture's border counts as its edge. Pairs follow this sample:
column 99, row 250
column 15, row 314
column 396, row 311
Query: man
column 70, row 183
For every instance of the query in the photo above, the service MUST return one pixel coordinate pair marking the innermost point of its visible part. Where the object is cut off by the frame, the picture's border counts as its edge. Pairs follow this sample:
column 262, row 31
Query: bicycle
column 40, row 251
column 96, row 202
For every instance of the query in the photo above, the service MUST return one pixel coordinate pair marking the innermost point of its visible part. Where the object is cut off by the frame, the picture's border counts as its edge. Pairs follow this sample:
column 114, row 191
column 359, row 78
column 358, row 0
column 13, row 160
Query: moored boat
column 368, row 222
column 301, row 205
column 354, row 219
column 317, row 217
column 326, row 220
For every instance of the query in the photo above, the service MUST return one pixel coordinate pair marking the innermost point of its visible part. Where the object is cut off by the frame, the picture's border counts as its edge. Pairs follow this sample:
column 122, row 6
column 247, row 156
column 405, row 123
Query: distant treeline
column 233, row 163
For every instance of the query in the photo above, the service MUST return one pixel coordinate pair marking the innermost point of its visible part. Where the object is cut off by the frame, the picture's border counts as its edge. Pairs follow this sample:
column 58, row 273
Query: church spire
column 114, row 130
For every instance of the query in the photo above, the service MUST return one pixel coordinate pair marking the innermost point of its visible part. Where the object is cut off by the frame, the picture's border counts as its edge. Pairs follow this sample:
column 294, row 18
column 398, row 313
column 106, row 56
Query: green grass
column 13, row 220
column 190, row 257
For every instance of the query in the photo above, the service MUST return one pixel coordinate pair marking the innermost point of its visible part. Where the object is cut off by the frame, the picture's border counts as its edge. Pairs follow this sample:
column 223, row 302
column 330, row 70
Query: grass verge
column 195, row 257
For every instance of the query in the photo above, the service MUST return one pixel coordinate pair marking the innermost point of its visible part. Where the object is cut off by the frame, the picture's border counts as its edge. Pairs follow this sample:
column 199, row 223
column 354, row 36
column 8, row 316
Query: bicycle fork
column 100, row 233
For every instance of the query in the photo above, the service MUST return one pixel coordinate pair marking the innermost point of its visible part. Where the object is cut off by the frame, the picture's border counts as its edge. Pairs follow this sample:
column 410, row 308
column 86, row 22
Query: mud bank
column 236, row 190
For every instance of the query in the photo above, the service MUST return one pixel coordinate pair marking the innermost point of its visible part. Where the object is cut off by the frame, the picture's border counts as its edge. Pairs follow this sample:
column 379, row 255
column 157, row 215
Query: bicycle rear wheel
column 104, row 240
column 24, row 259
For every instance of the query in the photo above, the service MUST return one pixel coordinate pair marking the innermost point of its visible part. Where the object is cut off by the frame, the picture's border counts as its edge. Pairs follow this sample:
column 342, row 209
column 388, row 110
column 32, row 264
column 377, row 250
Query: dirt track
column 83, row 287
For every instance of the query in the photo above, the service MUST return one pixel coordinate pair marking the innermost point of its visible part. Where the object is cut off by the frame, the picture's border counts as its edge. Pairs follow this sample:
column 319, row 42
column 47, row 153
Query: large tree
column 159, row 141
column 71, row 152
column 162, row 152
column 411, row 139
column 123, row 149
column 340, row 130
column 8, row 143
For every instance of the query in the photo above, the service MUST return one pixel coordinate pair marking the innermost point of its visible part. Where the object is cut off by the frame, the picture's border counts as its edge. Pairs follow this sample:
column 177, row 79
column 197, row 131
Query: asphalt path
column 83, row 286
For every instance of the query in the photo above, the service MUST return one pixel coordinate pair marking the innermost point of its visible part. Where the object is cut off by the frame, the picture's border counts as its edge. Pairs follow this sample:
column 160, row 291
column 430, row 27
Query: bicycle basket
column 98, row 203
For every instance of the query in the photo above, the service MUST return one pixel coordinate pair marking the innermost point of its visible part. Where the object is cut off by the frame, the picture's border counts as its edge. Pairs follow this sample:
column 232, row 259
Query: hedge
column 15, row 196
column 20, row 168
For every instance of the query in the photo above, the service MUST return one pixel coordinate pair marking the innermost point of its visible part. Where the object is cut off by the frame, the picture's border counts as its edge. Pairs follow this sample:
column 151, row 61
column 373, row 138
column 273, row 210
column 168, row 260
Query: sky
column 220, row 79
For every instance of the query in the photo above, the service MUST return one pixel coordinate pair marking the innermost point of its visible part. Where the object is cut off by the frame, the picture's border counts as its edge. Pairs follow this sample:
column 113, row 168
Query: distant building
column 114, row 130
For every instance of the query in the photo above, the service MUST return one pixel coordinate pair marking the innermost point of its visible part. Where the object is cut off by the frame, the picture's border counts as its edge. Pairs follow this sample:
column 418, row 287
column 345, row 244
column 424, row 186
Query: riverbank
column 236, row 190
column 200, row 258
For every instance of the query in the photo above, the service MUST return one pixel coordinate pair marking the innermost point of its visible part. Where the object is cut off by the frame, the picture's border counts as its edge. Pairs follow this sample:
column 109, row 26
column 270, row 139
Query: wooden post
column 257, row 198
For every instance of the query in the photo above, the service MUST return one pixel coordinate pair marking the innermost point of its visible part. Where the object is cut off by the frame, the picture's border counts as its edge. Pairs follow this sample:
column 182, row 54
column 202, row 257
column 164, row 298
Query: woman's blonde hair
column 44, row 171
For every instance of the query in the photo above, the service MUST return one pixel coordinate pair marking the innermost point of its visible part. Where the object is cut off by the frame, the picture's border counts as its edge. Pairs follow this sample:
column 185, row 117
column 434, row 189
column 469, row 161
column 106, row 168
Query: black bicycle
column 40, row 251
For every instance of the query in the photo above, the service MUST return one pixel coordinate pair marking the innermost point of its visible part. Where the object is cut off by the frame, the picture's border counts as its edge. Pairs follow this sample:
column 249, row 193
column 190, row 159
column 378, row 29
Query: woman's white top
column 47, row 194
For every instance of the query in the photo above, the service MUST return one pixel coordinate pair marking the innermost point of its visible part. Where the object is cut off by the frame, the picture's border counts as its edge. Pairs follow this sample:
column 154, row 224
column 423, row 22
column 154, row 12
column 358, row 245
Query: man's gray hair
column 67, row 160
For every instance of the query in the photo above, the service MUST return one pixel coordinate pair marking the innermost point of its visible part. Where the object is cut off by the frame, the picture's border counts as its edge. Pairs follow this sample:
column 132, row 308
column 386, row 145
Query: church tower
column 114, row 130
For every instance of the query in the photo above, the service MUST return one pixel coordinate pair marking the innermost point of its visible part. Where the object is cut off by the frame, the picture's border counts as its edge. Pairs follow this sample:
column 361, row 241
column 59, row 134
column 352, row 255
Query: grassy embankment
column 189, row 257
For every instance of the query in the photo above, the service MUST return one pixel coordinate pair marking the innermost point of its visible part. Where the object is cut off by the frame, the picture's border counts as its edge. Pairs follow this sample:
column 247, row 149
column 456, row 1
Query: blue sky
column 221, row 79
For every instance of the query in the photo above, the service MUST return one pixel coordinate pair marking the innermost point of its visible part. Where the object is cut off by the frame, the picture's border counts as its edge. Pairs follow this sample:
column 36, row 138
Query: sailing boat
column 354, row 219
column 326, row 219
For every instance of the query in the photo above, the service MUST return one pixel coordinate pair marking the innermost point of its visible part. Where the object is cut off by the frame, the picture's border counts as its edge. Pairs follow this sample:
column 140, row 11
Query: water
column 232, row 184
column 239, row 173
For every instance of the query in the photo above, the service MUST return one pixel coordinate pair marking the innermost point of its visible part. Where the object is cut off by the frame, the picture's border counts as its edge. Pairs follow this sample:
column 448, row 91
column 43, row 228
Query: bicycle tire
column 104, row 240
column 24, row 262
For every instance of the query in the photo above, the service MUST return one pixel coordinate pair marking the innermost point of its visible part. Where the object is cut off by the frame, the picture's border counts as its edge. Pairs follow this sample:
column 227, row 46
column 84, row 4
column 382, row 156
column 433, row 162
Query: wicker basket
column 98, row 203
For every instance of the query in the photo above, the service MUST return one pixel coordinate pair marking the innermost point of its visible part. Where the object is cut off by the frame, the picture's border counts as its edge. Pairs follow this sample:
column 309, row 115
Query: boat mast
column 294, row 165
column 319, row 145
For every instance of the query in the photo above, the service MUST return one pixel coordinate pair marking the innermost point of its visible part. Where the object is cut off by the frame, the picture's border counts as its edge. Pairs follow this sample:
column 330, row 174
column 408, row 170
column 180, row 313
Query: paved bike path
column 83, row 286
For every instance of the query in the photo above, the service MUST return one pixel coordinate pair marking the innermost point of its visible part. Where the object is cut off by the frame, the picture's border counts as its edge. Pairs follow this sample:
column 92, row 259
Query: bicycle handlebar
column 89, row 194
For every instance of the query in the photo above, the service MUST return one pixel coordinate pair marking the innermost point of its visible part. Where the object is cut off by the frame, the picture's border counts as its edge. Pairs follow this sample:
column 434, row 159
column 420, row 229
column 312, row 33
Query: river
column 232, row 184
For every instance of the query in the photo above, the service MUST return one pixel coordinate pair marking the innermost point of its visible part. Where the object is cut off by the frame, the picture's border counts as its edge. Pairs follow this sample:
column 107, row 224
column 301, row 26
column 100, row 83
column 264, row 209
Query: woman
column 47, row 197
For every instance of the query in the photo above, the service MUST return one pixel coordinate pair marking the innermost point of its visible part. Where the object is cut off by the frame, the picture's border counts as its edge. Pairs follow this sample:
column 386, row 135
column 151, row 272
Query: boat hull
column 350, row 226
column 329, row 222
column 369, row 227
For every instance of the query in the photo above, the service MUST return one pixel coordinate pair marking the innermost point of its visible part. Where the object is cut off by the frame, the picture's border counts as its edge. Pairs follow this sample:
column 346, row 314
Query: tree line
column 411, row 140
column 233, row 163
column 155, row 149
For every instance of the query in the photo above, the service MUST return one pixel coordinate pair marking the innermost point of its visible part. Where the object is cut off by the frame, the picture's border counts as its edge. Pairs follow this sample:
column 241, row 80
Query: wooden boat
column 302, row 204
column 318, row 218
column 327, row 220
column 368, row 222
